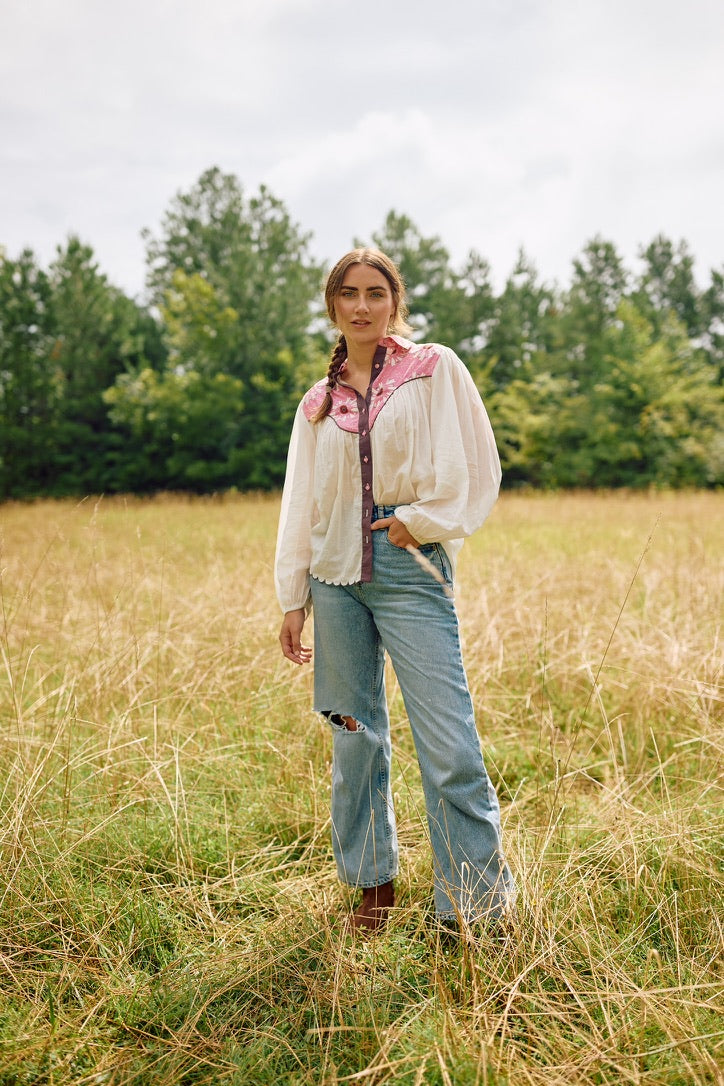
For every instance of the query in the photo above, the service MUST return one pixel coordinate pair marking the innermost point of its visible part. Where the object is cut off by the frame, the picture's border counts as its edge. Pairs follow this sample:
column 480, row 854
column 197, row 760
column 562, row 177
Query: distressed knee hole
column 344, row 723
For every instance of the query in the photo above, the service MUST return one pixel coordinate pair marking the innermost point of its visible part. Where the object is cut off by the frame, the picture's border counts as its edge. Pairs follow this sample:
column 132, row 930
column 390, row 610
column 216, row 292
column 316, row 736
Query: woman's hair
column 375, row 258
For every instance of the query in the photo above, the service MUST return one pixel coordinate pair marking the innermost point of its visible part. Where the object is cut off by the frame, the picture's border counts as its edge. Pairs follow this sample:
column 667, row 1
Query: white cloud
column 491, row 124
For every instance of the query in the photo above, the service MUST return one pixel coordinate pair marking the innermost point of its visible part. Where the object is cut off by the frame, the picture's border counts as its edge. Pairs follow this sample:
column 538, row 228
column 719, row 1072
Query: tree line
column 612, row 380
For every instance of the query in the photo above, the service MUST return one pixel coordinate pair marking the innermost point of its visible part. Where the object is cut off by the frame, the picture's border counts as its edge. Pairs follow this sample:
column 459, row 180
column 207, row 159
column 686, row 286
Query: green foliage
column 184, row 428
column 445, row 306
column 666, row 286
column 200, row 328
column 664, row 413
column 97, row 337
column 252, row 255
column 64, row 337
column 651, row 413
column 27, row 387
column 712, row 305
column 523, row 324
column 425, row 267
column 614, row 381
column 235, row 284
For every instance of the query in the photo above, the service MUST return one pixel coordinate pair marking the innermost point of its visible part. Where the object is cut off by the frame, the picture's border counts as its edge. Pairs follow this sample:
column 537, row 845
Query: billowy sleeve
column 294, row 546
column 466, row 475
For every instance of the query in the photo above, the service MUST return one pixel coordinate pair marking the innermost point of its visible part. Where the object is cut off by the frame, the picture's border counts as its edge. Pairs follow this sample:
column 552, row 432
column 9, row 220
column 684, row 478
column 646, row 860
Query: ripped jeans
column 403, row 611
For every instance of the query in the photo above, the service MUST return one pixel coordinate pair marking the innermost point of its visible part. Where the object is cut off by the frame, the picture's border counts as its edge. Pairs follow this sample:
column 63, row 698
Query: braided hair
column 398, row 321
column 335, row 365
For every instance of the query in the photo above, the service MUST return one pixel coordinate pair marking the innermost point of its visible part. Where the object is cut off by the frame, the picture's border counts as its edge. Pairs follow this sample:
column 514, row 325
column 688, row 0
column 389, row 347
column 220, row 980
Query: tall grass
column 168, row 907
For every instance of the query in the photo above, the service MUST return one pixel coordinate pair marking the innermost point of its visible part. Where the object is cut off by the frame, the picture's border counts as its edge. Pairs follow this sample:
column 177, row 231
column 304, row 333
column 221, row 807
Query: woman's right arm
column 294, row 536
column 290, row 637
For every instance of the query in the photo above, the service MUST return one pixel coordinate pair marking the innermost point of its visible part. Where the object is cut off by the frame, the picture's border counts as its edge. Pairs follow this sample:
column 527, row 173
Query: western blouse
column 419, row 440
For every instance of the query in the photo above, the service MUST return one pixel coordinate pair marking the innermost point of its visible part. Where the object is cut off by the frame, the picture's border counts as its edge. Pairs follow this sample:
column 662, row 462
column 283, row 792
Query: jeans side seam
column 380, row 756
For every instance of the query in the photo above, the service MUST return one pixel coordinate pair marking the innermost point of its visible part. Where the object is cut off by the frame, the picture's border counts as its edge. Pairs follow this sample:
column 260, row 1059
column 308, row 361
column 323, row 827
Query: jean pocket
column 435, row 554
column 385, row 533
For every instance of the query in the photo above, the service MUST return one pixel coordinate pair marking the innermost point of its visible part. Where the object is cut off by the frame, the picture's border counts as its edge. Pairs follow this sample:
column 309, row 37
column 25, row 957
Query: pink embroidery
column 405, row 361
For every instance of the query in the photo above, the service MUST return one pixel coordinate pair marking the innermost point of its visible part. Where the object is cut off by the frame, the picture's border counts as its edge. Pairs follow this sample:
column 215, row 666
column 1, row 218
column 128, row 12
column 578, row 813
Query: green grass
column 169, row 911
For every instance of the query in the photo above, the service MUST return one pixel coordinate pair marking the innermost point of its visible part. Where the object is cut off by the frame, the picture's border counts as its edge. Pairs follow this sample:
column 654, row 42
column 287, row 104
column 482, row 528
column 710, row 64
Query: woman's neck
column 357, row 374
column 361, row 358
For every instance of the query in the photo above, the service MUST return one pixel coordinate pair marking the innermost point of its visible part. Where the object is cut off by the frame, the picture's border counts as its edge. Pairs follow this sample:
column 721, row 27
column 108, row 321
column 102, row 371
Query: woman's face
column 364, row 306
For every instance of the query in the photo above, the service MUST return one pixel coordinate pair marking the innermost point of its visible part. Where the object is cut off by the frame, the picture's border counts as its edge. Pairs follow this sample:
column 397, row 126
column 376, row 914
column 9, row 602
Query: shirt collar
column 397, row 344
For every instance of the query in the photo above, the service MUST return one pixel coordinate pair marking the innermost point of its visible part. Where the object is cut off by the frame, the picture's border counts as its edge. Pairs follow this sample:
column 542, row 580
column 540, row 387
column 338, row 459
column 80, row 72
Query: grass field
column 169, row 910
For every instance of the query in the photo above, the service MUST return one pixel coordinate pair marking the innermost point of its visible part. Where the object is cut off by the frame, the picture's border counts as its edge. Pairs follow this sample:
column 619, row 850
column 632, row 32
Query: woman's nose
column 362, row 304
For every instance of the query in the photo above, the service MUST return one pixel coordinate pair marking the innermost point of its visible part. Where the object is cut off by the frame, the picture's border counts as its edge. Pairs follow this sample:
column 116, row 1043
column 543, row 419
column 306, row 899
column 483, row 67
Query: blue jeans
column 405, row 612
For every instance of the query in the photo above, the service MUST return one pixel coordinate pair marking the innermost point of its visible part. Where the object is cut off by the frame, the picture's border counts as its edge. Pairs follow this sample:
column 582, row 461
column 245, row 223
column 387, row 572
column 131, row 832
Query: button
column 364, row 433
column 366, row 459
column 367, row 486
column 343, row 410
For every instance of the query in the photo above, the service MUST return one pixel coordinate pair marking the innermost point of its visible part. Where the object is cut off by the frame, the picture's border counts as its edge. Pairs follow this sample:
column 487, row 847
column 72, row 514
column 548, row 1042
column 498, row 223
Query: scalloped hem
column 338, row 584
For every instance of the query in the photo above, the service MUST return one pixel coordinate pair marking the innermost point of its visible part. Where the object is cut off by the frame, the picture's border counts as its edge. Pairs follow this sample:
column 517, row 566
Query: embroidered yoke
column 419, row 439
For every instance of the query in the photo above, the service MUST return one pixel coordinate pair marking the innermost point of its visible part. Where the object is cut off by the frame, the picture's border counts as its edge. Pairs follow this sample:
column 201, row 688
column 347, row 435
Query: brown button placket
column 365, row 461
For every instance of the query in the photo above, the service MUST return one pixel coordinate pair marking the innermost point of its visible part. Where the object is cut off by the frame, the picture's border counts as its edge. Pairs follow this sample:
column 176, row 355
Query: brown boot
column 374, row 908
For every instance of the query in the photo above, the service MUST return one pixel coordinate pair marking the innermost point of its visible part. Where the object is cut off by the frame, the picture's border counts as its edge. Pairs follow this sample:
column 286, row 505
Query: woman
column 393, row 450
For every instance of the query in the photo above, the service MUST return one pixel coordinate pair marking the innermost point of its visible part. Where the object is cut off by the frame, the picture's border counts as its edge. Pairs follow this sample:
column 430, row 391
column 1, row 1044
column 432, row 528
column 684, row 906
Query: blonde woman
column 392, row 450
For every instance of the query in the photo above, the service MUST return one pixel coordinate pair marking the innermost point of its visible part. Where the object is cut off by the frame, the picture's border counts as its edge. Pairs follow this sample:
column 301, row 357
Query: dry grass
column 169, row 912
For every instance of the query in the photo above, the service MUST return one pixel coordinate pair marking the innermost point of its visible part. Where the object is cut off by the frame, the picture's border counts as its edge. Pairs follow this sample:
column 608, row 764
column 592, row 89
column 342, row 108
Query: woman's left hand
column 397, row 533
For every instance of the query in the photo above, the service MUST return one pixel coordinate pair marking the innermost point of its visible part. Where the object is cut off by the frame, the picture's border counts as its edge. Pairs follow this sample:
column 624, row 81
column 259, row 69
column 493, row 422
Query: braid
column 335, row 365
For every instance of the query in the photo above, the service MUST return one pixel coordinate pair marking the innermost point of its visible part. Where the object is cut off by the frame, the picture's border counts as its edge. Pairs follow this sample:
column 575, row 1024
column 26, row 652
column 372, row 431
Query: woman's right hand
column 290, row 637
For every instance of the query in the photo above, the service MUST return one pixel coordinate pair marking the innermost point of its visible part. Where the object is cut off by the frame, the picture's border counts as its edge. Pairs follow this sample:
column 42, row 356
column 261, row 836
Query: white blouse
column 420, row 440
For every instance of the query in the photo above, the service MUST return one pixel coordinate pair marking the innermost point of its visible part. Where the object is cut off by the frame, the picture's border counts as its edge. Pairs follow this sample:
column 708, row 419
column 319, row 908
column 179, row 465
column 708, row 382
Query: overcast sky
column 494, row 124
